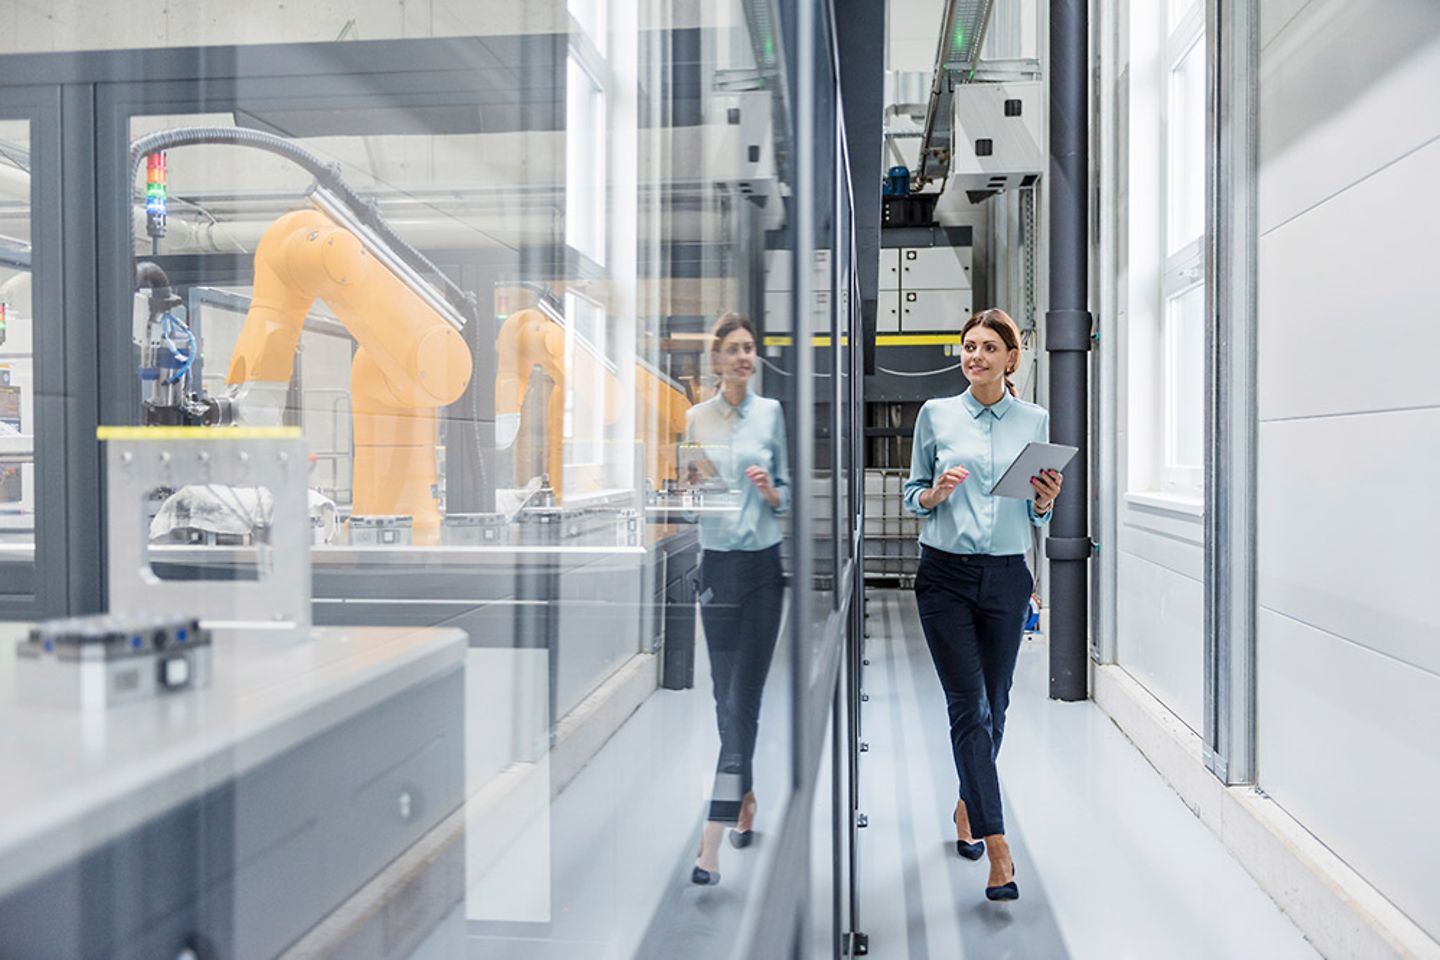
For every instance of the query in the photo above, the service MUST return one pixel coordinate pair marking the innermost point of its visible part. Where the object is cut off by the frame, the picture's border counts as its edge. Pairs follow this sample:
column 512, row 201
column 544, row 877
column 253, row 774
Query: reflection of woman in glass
column 972, row 586
column 741, row 593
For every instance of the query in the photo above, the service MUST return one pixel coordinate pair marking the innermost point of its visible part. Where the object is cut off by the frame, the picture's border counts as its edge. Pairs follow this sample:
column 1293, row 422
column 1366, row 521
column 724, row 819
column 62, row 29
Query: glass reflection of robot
column 411, row 359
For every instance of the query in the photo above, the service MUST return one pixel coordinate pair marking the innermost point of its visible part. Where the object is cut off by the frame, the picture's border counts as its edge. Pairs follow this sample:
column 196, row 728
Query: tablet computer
column 704, row 466
column 1035, row 457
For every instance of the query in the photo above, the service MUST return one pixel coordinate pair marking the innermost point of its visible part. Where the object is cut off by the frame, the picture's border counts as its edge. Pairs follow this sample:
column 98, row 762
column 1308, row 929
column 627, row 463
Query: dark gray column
column 860, row 36
column 86, row 323
column 1067, row 339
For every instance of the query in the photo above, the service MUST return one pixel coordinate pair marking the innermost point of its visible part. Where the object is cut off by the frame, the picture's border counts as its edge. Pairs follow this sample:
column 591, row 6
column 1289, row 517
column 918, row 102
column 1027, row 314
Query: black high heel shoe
column 1006, row 891
column 970, row 851
column 705, row 878
column 740, row 839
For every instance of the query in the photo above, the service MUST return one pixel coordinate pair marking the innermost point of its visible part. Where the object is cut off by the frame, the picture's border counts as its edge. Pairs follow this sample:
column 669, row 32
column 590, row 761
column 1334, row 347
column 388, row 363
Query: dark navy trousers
column 973, row 609
column 741, row 597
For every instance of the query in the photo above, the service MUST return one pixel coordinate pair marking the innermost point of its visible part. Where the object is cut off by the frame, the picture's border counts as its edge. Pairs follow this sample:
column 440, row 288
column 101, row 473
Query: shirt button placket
column 989, row 465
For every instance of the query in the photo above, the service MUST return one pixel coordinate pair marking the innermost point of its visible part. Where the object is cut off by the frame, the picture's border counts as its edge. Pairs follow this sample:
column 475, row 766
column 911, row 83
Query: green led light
column 959, row 37
column 769, row 47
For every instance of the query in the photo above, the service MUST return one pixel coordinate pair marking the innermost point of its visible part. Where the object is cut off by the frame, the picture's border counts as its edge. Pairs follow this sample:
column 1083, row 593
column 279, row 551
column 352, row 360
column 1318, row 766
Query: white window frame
column 584, row 418
column 1182, row 270
column 586, row 155
column 592, row 18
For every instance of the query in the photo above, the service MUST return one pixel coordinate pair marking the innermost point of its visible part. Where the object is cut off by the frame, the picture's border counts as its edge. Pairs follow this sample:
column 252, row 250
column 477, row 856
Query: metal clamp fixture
column 1069, row 548
column 1069, row 331
column 140, row 460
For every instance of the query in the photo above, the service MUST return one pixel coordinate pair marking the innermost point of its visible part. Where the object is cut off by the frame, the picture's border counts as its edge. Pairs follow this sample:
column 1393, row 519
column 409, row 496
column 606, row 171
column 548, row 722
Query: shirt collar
column 997, row 409
column 728, row 410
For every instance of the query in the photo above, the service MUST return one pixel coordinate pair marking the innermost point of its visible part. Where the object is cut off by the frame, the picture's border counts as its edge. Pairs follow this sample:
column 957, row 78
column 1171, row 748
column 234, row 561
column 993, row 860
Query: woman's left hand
column 761, row 479
column 1047, row 488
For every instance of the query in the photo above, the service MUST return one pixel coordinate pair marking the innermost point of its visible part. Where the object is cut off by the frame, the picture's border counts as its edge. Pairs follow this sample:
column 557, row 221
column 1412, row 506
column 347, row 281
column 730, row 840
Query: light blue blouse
column 753, row 433
column 962, row 432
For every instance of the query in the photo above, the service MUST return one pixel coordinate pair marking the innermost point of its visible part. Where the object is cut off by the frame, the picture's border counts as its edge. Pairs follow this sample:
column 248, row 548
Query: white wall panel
column 1355, row 277
column 1348, row 747
column 1185, row 556
column 1347, row 538
column 1349, row 403
column 912, row 34
column 1161, row 640
column 1346, row 88
column 1275, row 15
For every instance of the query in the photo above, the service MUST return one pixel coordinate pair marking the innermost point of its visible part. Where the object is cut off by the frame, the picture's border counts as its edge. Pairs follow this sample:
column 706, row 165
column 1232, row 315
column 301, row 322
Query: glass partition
column 33, row 580
column 17, row 363
column 480, row 334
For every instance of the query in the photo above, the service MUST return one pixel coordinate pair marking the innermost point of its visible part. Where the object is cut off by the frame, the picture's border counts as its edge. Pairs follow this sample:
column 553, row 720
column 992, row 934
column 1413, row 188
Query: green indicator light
column 769, row 46
column 959, row 37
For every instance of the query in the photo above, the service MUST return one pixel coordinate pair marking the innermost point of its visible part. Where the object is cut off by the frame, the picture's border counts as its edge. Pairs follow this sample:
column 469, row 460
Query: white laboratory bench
column 234, row 816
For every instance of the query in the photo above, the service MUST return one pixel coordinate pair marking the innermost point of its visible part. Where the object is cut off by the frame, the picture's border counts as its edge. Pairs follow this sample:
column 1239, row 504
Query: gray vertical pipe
column 1067, row 340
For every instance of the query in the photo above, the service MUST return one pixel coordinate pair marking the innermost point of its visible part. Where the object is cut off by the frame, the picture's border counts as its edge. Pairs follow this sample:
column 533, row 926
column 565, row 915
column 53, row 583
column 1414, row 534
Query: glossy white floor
column 1110, row 862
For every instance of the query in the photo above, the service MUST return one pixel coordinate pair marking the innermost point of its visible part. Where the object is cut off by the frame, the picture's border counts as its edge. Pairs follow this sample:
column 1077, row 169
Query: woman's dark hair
column 726, row 324
column 1008, row 330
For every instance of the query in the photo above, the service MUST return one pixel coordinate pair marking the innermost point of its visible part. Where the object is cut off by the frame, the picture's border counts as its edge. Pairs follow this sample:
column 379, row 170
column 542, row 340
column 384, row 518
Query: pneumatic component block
column 106, row 660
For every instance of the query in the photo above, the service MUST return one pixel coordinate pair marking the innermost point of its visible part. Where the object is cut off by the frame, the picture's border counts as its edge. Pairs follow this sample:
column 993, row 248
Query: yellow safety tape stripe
column 198, row 433
column 788, row 341
column 883, row 340
column 917, row 339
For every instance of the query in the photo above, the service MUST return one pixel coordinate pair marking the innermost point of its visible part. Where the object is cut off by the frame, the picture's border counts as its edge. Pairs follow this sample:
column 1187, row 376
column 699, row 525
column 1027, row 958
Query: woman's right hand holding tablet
column 945, row 485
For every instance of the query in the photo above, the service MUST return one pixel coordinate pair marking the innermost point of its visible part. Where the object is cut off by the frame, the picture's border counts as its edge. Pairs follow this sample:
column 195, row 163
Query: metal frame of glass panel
column 66, row 552
column 782, row 927
column 1231, row 404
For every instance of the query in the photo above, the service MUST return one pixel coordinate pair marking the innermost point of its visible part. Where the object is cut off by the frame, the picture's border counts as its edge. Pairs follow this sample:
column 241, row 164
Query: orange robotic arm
column 410, row 361
column 530, row 340
column 661, row 407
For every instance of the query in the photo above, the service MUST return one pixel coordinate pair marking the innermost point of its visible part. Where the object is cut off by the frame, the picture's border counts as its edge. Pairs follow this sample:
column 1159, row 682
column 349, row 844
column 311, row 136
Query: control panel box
column 887, row 311
column 474, row 529
column 924, row 289
column 381, row 531
column 935, row 268
column 998, row 136
column 934, row 311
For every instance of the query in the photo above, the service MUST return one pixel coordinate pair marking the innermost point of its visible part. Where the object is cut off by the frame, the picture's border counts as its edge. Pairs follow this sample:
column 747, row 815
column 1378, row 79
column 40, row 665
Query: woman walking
column 973, row 586
column 741, row 586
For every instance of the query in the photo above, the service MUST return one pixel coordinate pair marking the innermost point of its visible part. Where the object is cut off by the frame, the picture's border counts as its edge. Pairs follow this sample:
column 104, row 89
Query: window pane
column 585, row 143
column 17, row 368
column 1185, row 182
column 1178, row 10
column 1185, row 383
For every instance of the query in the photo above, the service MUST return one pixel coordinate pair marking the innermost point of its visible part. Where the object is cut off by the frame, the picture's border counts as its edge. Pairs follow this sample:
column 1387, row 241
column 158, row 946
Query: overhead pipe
column 937, row 143
column 1068, row 325
column 186, row 235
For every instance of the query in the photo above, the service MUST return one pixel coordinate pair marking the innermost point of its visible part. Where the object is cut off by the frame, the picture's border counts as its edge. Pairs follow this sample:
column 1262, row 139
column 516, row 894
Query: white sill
column 1172, row 503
